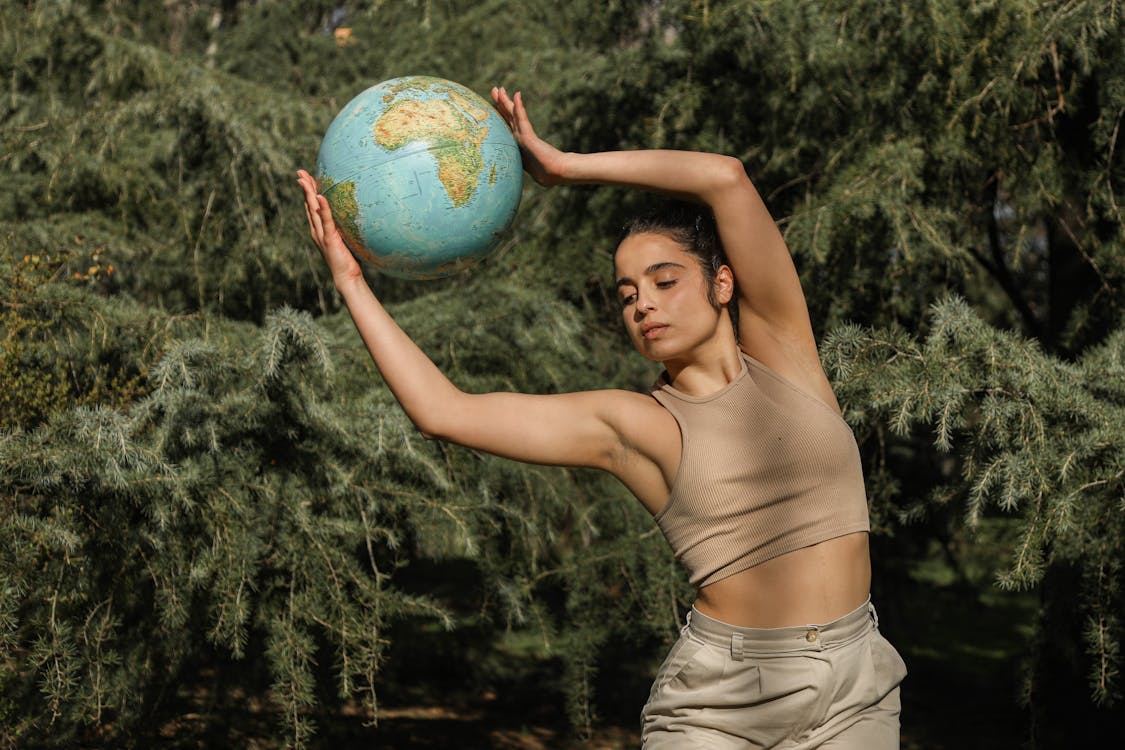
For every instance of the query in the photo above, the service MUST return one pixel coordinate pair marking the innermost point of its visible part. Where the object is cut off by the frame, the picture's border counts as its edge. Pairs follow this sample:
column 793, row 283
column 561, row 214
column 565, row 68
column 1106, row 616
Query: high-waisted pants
column 724, row 687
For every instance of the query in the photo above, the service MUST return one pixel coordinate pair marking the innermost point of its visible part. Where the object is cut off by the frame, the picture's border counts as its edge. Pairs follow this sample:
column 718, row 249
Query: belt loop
column 874, row 614
column 736, row 646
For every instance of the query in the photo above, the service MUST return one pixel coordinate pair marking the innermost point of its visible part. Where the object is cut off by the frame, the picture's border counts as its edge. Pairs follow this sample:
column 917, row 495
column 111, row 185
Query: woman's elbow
column 430, row 428
column 726, row 179
column 439, row 425
column 435, row 416
column 731, row 172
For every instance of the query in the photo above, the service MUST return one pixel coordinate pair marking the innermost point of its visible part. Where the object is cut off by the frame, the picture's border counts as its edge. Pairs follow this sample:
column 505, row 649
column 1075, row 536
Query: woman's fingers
column 506, row 107
column 328, row 224
column 316, row 221
column 522, row 117
column 316, row 210
column 308, row 215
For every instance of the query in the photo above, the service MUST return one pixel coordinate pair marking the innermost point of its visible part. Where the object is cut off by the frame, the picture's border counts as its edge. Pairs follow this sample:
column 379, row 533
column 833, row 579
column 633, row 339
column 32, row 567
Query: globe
column 422, row 175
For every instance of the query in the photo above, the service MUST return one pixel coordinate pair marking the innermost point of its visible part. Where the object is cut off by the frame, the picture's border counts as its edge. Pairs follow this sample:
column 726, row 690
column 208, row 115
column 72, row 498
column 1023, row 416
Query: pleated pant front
column 724, row 687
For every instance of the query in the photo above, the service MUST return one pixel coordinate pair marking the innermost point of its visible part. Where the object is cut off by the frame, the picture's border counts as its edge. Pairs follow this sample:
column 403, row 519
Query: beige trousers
column 817, row 686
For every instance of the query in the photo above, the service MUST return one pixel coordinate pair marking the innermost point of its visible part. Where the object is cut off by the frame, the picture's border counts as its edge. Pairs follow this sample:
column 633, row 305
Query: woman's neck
column 707, row 369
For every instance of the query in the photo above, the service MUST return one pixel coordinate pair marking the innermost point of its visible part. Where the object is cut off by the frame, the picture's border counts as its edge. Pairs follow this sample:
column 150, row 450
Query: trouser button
column 811, row 636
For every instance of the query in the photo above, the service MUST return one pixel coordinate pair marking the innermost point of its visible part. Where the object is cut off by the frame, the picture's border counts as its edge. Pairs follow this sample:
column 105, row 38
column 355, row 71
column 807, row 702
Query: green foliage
column 31, row 391
column 186, row 161
column 202, row 477
column 1034, row 437
column 56, row 352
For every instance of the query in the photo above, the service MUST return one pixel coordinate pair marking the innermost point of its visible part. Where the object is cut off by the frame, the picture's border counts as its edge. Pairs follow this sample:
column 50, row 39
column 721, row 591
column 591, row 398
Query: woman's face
column 664, row 296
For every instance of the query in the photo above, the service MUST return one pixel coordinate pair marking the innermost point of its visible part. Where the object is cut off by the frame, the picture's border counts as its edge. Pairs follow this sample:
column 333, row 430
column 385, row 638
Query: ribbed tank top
column 765, row 469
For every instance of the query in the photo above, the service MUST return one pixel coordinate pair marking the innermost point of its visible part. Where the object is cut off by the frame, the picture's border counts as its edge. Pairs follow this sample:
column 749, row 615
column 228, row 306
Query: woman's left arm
column 774, row 317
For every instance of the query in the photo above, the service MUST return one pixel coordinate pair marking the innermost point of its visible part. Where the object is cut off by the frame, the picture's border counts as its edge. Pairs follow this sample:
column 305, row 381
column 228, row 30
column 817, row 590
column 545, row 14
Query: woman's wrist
column 349, row 284
column 572, row 168
column 569, row 166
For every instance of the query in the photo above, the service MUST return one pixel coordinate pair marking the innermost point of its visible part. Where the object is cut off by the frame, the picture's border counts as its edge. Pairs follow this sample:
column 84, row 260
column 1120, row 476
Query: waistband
column 796, row 638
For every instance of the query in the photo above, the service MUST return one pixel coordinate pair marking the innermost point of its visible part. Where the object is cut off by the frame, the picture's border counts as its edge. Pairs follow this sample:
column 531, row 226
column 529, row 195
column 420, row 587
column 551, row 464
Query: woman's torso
column 811, row 584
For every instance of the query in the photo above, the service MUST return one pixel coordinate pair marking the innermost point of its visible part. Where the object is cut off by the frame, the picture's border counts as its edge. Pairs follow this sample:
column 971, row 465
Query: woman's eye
column 628, row 300
column 665, row 284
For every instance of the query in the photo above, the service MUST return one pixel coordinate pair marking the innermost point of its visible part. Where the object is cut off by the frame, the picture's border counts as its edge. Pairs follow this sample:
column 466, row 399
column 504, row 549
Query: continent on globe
column 422, row 175
column 456, row 139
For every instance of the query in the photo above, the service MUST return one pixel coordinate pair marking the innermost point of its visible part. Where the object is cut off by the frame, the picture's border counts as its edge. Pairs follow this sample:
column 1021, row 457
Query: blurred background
column 217, row 528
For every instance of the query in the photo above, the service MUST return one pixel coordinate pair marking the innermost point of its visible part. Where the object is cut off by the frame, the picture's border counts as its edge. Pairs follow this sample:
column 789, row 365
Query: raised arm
column 774, row 316
column 577, row 429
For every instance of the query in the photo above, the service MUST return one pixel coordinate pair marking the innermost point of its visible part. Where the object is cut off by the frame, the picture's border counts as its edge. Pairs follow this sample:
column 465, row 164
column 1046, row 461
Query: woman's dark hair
column 692, row 226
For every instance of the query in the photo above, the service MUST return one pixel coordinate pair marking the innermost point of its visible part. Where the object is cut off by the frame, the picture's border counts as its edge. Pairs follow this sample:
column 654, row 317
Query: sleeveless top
column 765, row 469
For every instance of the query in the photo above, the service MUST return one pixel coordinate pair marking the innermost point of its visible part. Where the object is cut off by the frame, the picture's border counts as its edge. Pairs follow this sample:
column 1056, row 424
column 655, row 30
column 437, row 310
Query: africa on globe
column 422, row 175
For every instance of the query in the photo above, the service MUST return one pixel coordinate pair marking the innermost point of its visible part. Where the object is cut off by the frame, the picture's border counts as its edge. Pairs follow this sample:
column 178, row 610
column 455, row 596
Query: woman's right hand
column 343, row 265
column 545, row 163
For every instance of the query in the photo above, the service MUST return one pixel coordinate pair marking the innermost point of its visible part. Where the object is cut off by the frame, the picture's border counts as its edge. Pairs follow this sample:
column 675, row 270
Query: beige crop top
column 765, row 469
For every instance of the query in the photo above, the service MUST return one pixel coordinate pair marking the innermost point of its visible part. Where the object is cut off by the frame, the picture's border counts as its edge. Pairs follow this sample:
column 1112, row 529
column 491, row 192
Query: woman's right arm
column 573, row 429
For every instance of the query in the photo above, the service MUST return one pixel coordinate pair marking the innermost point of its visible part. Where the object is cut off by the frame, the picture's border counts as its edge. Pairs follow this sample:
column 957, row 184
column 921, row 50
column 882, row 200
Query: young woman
column 740, row 453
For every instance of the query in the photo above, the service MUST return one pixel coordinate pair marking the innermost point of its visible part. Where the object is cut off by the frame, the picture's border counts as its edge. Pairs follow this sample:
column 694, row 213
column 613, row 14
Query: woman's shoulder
column 650, row 442
column 633, row 406
column 627, row 411
column 642, row 423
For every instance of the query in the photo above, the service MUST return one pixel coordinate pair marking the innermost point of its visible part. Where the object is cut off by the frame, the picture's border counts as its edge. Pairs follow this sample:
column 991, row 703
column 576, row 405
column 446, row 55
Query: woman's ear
column 723, row 285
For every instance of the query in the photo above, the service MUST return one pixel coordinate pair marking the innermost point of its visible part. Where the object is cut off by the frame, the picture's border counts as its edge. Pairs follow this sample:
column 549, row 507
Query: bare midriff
column 810, row 586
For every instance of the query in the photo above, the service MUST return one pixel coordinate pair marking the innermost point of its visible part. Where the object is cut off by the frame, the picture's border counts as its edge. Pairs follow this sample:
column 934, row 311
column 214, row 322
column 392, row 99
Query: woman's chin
column 654, row 351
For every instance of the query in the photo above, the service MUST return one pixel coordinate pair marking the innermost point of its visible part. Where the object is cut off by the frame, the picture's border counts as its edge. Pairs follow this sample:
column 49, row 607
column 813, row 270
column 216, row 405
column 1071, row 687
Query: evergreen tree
column 204, row 482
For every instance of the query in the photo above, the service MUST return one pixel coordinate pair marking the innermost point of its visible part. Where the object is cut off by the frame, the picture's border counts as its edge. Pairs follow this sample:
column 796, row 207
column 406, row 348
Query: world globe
column 422, row 175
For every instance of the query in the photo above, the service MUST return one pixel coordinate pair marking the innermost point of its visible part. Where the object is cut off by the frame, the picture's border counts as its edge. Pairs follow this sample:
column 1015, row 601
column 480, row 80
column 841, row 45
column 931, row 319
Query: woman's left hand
column 545, row 163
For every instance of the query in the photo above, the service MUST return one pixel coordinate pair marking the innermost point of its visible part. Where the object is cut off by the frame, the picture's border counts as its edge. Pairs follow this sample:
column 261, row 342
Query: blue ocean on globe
column 422, row 175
